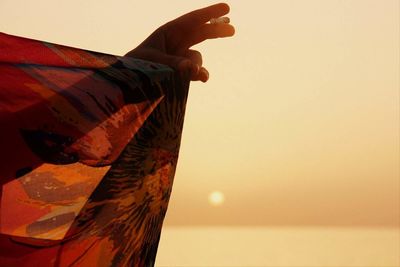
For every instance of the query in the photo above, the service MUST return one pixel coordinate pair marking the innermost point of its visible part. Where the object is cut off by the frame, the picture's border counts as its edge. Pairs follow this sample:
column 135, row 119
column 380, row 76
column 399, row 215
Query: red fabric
column 89, row 146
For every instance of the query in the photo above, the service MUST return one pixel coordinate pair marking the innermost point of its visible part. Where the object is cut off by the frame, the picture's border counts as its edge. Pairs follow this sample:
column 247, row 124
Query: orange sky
column 299, row 123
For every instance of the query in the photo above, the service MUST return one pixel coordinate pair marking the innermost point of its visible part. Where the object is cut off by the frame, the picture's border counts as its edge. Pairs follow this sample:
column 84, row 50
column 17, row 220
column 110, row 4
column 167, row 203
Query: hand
column 170, row 44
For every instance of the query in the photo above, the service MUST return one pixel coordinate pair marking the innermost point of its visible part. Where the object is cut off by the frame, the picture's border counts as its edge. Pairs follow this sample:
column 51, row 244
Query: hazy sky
column 299, row 123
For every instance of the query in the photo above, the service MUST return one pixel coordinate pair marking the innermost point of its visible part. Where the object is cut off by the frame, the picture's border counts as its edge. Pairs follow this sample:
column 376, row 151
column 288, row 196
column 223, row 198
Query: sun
column 216, row 198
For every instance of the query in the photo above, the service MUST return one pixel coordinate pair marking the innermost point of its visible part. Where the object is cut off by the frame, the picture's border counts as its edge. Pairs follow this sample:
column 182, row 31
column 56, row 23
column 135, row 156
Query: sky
column 299, row 122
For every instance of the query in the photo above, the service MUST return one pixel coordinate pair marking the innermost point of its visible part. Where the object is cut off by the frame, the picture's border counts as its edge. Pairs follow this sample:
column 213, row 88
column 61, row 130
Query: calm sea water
column 279, row 247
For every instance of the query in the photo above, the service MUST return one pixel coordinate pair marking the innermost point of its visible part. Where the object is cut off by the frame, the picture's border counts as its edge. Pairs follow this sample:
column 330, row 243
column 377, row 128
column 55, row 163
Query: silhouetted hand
column 170, row 44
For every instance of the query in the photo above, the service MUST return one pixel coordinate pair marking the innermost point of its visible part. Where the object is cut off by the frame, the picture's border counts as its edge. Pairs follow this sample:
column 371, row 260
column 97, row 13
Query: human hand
column 170, row 44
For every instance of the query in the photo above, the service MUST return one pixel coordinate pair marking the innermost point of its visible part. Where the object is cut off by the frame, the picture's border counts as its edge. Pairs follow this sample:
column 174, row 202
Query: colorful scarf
column 89, row 145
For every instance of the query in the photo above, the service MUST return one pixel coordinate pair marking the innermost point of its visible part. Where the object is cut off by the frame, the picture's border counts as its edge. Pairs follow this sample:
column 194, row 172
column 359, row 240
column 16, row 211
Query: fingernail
column 204, row 75
column 196, row 69
column 220, row 20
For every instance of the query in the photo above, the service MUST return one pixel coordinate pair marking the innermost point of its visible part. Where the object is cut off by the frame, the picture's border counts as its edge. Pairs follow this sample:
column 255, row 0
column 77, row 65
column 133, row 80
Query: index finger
column 200, row 16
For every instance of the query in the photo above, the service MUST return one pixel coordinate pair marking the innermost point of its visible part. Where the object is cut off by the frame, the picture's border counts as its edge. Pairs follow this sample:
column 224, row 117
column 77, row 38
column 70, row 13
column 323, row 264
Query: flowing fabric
column 89, row 145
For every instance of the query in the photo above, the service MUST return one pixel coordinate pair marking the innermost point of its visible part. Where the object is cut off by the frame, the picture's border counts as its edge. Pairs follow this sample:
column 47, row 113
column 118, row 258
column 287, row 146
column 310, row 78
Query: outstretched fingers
column 170, row 43
column 200, row 16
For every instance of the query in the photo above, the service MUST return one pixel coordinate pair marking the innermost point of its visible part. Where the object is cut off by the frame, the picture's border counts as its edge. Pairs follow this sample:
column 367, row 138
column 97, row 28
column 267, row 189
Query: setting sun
column 216, row 198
